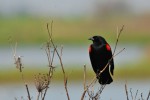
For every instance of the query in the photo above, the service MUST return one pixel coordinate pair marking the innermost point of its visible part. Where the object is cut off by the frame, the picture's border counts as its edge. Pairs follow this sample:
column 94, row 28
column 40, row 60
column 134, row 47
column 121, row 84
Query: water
column 74, row 55
column 114, row 91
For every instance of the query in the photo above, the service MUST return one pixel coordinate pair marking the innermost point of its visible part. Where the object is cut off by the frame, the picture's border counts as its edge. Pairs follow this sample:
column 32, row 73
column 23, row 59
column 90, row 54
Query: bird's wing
column 109, row 55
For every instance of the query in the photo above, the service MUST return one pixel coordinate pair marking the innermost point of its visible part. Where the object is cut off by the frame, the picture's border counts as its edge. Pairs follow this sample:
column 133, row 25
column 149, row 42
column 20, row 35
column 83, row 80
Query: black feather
column 100, row 54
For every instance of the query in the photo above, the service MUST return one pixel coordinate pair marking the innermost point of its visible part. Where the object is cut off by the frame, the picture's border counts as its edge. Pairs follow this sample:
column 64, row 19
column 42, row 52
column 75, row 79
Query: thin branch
column 50, row 33
column 131, row 93
column 50, row 58
column 28, row 91
column 142, row 96
column 126, row 89
column 47, row 50
column 13, row 48
column 118, row 36
column 38, row 96
column 148, row 96
column 84, row 83
column 136, row 95
column 95, row 96
column 119, row 52
column 18, row 64
column 59, row 56
column 99, row 92
column 51, row 68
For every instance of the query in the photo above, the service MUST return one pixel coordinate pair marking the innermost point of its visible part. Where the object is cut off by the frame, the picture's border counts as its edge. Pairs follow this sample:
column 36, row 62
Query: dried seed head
column 41, row 82
column 19, row 63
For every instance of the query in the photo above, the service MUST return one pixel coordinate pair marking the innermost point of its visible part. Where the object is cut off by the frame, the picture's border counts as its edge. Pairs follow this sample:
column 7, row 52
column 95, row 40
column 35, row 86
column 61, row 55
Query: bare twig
column 97, row 95
column 59, row 56
column 87, row 87
column 148, row 96
column 131, row 93
column 49, row 56
column 51, row 67
column 136, row 95
column 142, row 96
column 119, row 52
column 28, row 91
column 126, row 89
column 118, row 36
column 84, row 83
column 18, row 64
column 50, row 33
column 38, row 96
column 17, row 59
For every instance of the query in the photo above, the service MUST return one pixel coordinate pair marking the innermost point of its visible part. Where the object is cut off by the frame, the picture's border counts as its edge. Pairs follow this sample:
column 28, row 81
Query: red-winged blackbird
column 100, row 54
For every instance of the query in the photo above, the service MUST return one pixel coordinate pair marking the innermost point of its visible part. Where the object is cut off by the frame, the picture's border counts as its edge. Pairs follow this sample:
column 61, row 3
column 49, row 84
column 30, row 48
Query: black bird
column 100, row 54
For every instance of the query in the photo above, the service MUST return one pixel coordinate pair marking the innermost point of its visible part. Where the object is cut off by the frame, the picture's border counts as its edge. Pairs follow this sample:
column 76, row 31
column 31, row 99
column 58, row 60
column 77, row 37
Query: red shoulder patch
column 90, row 49
column 108, row 47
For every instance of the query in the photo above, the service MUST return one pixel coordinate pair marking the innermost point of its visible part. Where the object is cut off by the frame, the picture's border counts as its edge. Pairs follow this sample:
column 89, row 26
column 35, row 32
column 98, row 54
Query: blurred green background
column 73, row 23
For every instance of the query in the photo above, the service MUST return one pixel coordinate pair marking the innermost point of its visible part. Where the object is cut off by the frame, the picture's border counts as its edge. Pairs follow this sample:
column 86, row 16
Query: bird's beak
column 91, row 38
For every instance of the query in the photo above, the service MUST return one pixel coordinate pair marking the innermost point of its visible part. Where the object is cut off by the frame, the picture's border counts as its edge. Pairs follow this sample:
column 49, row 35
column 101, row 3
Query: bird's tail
column 105, row 79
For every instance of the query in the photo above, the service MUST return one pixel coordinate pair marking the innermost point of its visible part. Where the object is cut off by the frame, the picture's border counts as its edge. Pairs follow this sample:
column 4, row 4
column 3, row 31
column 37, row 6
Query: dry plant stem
column 26, row 85
column 17, row 59
column 18, row 64
column 118, row 36
column 28, row 91
column 126, row 89
column 38, row 96
column 142, row 96
column 83, row 94
column 51, row 68
column 131, row 93
column 97, row 95
column 84, row 83
column 136, row 95
column 65, row 78
column 44, row 94
column 47, row 50
column 148, row 96
column 50, row 60
column 100, row 91
column 64, row 74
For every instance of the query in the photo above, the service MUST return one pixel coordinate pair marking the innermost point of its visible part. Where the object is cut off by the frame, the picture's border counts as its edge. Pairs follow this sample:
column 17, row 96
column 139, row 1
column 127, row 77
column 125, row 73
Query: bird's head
column 98, row 40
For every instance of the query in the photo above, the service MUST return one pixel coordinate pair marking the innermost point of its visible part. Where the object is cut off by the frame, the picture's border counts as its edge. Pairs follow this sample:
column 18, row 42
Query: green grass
column 28, row 30
column 127, row 72
column 139, row 70
column 14, row 76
